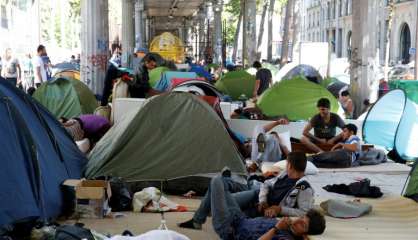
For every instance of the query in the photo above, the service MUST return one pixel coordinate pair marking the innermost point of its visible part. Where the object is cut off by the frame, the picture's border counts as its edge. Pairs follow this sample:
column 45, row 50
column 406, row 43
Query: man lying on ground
column 268, row 147
column 230, row 223
column 324, row 125
column 343, row 154
column 286, row 195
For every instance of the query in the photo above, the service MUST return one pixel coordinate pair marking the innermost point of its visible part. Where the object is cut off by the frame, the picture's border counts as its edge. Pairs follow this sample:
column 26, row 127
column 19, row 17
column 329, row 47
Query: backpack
column 73, row 232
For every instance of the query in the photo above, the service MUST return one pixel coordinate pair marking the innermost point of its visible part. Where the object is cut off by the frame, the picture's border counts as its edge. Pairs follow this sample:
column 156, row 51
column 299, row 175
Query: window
column 4, row 20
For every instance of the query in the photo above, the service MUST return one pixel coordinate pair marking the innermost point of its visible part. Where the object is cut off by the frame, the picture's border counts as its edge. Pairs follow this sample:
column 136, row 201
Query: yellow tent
column 68, row 74
column 168, row 46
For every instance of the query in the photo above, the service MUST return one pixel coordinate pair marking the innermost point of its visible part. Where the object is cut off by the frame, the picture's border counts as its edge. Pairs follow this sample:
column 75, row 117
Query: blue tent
column 199, row 70
column 36, row 156
column 392, row 122
column 165, row 82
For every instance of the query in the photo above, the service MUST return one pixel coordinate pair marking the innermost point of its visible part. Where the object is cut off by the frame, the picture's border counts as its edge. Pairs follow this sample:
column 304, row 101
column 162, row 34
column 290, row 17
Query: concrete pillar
column 250, row 29
column 139, row 24
column 363, row 61
column 94, row 43
column 144, row 29
column 217, row 22
column 128, row 37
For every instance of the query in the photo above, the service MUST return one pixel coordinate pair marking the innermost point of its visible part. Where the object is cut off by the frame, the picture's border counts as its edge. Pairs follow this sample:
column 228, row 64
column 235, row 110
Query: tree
column 261, row 30
column 285, row 39
column 270, row 31
column 236, row 35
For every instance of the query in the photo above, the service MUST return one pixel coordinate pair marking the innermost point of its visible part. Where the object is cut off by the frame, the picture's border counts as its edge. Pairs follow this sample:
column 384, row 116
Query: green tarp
column 155, row 75
column 296, row 98
column 409, row 86
column 66, row 97
column 236, row 83
column 173, row 136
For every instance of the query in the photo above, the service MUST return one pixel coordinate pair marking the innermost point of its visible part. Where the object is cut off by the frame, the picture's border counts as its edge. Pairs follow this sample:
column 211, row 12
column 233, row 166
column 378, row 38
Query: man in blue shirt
column 344, row 154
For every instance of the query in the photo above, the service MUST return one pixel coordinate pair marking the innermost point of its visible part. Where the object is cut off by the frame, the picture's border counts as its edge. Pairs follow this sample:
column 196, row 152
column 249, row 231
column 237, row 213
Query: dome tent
column 156, row 144
column 236, row 83
column 306, row 71
column 296, row 98
column 66, row 97
column 37, row 156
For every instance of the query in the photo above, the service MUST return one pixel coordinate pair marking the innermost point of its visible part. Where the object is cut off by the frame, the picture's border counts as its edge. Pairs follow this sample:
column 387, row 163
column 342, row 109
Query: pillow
column 310, row 168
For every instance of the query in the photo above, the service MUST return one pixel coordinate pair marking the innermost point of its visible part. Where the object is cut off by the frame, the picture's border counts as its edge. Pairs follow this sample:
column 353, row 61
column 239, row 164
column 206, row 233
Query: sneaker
column 191, row 225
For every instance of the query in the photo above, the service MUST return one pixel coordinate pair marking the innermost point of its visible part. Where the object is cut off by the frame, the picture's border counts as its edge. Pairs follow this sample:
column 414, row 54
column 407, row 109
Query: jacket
column 297, row 202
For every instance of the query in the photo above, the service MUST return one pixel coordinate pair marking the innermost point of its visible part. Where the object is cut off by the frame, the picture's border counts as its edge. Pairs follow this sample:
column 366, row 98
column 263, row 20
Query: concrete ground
column 391, row 183
column 139, row 223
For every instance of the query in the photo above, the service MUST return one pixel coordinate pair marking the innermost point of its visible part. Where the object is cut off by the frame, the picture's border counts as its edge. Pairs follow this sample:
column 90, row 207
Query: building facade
column 334, row 17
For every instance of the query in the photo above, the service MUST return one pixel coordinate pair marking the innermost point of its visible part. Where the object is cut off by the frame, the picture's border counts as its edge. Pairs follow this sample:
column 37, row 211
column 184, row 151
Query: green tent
column 66, row 97
column 155, row 75
column 409, row 86
column 296, row 98
column 236, row 83
column 412, row 188
column 174, row 137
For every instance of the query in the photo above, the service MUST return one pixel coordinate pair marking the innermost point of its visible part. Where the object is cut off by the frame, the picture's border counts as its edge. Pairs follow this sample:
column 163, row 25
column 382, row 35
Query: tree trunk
column 388, row 32
column 294, row 28
column 285, row 39
column 270, row 32
column 261, row 31
column 236, row 35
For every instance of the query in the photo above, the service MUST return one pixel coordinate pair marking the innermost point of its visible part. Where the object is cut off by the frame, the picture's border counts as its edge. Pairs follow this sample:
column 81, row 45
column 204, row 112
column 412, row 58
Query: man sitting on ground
column 286, row 195
column 342, row 154
column 229, row 222
column 324, row 125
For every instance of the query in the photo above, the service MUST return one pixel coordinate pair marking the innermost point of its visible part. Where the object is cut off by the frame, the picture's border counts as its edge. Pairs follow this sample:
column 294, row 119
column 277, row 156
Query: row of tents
column 163, row 142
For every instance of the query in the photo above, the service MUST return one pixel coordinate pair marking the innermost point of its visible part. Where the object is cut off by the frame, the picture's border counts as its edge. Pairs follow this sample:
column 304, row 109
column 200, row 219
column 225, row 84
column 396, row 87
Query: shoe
column 191, row 225
column 226, row 172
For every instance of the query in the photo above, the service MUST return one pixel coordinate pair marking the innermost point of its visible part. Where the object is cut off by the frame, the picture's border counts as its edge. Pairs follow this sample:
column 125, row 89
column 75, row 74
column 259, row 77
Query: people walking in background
column 27, row 67
column 48, row 65
column 39, row 66
column 10, row 68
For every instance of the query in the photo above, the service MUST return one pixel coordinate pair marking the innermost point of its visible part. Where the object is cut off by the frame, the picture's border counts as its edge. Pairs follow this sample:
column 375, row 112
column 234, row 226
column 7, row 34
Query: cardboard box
column 91, row 197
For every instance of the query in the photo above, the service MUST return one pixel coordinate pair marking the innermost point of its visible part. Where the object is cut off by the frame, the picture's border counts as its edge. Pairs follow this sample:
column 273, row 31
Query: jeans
column 335, row 159
column 242, row 196
column 223, row 205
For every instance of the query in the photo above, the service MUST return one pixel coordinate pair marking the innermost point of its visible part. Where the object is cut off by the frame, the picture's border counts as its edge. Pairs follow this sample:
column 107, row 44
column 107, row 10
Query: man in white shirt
column 39, row 66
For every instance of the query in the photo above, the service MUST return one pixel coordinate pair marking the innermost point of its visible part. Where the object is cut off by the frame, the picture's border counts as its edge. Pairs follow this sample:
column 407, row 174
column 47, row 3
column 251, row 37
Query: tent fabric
column 412, row 187
column 200, row 71
column 236, row 83
column 307, row 71
column 383, row 119
column 409, row 86
column 66, row 97
column 393, row 123
column 296, row 98
column 167, row 77
column 74, row 74
column 156, row 74
column 166, row 140
column 37, row 156
column 205, row 87
column 336, row 86
column 168, row 46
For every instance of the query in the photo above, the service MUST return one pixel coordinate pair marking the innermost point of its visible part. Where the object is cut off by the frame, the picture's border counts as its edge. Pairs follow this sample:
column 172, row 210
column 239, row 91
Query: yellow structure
column 68, row 73
column 169, row 47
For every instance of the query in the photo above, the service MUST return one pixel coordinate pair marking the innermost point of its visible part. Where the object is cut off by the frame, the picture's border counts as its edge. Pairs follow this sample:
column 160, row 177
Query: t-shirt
column 280, row 188
column 354, row 140
column 10, row 67
column 326, row 130
column 264, row 75
column 38, row 62
column 254, row 228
